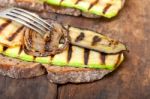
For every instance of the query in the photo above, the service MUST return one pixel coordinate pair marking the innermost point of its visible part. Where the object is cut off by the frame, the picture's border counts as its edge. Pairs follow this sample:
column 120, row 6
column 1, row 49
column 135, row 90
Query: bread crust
column 19, row 69
column 62, row 75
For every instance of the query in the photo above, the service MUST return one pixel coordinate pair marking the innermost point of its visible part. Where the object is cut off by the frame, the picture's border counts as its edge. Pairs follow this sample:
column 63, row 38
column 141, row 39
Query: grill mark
column 52, row 56
column 69, row 53
column 86, row 56
column 102, row 58
column 106, row 8
column 94, row 3
column 77, row 2
column 5, row 48
column 13, row 36
column 118, row 60
column 34, row 57
column 80, row 37
column 20, row 50
column 61, row 2
column 4, row 25
column 96, row 39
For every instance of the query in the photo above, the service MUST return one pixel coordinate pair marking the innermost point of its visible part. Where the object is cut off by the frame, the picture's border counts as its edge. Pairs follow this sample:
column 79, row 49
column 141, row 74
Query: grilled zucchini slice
column 73, row 56
column 106, row 8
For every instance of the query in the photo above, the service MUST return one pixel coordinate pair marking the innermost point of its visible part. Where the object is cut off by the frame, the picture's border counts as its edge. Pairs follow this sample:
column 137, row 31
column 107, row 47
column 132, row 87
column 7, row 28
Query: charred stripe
column 94, row 3
column 103, row 58
column 20, row 50
column 13, row 36
column 5, row 48
column 96, row 39
column 118, row 60
column 61, row 2
column 80, row 37
column 106, row 8
column 77, row 1
column 4, row 25
column 86, row 56
column 69, row 53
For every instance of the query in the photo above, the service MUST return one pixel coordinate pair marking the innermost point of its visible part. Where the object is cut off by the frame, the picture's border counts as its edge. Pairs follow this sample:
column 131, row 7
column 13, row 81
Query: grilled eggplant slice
column 95, row 41
column 73, row 57
column 106, row 8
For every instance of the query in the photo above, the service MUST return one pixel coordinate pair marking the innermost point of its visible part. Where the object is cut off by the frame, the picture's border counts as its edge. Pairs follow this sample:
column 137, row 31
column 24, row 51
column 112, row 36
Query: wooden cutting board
column 130, row 81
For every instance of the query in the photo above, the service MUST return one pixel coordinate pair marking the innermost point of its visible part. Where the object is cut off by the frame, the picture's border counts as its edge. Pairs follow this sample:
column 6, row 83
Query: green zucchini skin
column 73, row 57
column 105, row 8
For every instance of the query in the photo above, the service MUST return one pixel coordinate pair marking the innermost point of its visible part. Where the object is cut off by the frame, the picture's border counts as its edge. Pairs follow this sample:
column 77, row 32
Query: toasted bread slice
column 20, row 69
column 62, row 75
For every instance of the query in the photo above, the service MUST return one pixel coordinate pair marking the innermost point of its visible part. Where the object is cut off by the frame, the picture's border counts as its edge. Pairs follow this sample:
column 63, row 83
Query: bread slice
column 20, row 69
column 36, row 5
column 16, row 68
column 62, row 75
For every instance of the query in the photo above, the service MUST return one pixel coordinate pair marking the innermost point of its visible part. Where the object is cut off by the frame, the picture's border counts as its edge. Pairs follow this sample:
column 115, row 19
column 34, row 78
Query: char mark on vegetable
column 4, row 25
column 106, row 8
column 77, row 2
column 102, row 57
column 80, row 37
column 86, row 56
column 118, row 60
column 94, row 3
column 69, row 53
column 96, row 39
column 5, row 48
column 13, row 35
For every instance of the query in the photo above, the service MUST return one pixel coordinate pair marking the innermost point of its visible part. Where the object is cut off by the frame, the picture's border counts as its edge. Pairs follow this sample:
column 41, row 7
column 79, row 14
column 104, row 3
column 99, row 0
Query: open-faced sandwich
column 88, row 57
column 87, row 8
column 69, row 54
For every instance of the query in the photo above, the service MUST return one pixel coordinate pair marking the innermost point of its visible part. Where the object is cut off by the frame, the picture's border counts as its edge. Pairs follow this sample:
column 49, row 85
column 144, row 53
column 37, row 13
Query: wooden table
column 130, row 81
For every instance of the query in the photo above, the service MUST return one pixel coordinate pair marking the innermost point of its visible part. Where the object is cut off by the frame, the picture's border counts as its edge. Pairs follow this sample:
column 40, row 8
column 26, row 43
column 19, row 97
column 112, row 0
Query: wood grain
column 35, row 88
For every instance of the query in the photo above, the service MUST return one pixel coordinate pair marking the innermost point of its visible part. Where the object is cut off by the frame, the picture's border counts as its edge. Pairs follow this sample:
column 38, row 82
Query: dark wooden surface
column 130, row 81
column 36, row 88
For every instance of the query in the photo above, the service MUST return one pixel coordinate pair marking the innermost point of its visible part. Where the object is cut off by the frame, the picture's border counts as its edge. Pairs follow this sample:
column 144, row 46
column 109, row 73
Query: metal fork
column 29, row 19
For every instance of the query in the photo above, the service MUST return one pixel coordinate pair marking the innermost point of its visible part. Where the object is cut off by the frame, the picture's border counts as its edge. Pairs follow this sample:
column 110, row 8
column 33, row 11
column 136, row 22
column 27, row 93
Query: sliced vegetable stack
column 106, row 8
column 80, row 52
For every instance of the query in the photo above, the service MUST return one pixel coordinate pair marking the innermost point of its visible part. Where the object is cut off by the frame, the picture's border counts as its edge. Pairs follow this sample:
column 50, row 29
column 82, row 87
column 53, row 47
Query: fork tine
column 34, row 22
column 25, row 23
column 31, row 17
column 27, row 17
column 34, row 15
